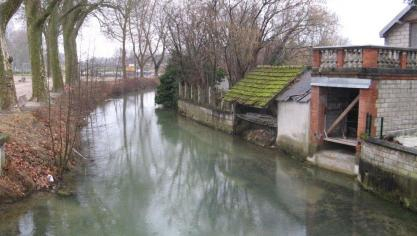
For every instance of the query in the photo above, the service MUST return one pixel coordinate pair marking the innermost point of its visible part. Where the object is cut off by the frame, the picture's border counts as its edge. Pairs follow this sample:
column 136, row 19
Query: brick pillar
column 340, row 58
column 316, row 58
column 317, row 113
column 370, row 58
column 367, row 104
column 403, row 60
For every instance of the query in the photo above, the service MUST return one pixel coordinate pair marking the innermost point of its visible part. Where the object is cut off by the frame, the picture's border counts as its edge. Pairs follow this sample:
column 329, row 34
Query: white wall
column 293, row 127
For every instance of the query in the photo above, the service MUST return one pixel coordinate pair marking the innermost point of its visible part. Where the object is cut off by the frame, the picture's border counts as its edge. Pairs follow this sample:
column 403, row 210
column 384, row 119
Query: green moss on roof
column 262, row 84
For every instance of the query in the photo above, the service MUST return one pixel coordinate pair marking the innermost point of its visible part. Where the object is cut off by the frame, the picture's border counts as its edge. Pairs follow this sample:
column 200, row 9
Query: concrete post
column 198, row 94
column 191, row 93
column 180, row 90
column 209, row 95
column 3, row 139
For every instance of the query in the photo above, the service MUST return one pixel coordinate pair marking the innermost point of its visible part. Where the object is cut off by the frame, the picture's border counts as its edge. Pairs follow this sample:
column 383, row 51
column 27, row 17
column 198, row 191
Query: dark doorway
column 342, row 110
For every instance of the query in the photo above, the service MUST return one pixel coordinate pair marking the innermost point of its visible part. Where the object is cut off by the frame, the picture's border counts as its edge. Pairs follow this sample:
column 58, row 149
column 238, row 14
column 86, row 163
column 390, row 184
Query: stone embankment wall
column 390, row 170
column 220, row 120
column 397, row 103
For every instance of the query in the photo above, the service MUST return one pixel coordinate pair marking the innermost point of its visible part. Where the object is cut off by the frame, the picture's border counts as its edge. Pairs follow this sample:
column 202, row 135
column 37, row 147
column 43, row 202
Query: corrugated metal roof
column 261, row 85
column 338, row 82
column 299, row 91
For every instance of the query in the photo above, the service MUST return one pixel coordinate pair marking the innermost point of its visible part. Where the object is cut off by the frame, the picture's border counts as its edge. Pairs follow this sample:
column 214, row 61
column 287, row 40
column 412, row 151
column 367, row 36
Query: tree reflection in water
column 152, row 172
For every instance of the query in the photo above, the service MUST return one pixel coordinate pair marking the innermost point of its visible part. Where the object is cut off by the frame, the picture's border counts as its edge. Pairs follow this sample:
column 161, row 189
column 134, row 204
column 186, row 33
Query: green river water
column 152, row 172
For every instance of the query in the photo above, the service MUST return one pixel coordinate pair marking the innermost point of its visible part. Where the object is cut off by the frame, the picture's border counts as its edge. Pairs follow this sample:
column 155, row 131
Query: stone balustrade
column 328, row 58
column 352, row 58
column 364, row 57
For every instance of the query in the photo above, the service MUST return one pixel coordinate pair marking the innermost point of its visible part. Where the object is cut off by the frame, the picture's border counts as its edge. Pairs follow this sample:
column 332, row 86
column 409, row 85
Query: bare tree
column 7, row 87
column 115, row 21
column 73, row 17
column 236, row 35
column 140, row 30
column 157, row 38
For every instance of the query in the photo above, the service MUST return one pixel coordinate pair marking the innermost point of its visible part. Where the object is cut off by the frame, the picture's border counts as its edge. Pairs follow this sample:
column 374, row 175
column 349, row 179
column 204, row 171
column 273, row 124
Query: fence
column 209, row 96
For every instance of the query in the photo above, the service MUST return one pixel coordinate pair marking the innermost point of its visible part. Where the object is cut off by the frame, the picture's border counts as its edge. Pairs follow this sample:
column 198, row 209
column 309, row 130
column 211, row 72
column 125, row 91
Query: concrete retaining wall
column 219, row 120
column 390, row 170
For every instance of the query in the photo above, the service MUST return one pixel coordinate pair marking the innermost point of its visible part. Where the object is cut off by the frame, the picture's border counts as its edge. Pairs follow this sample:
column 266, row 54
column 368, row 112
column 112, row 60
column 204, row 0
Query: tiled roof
column 262, row 84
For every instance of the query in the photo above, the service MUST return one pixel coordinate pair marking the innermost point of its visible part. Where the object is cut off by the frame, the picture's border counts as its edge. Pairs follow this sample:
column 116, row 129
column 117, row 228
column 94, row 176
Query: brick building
column 350, row 84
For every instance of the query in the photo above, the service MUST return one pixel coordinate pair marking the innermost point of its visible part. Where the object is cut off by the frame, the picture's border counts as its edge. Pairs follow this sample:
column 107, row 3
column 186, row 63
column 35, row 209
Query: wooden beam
column 343, row 115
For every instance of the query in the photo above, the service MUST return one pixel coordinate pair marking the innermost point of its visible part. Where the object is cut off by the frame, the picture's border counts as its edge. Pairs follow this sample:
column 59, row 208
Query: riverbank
column 36, row 137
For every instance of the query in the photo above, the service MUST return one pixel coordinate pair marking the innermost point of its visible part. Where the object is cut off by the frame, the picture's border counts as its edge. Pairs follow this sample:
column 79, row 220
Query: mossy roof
column 262, row 84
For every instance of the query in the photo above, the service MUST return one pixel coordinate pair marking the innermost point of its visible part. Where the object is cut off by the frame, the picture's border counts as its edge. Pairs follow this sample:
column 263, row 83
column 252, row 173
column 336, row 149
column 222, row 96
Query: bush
column 166, row 93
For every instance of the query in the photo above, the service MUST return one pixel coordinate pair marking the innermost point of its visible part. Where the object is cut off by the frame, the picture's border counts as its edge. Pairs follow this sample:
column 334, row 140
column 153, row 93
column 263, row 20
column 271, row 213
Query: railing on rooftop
column 369, row 57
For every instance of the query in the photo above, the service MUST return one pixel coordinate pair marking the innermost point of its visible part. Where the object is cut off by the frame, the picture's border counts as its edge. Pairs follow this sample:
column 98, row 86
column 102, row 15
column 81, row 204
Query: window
column 413, row 35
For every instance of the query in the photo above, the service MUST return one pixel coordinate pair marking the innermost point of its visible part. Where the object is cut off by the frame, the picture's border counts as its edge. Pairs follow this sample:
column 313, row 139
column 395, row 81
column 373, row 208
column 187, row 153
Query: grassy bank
column 42, row 142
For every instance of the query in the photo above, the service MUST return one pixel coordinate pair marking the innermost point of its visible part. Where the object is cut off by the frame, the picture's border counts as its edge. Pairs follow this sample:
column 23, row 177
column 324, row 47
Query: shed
column 256, row 106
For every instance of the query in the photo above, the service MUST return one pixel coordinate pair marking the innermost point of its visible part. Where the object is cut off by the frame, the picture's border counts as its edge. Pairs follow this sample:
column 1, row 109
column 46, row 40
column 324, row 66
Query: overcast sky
column 360, row 22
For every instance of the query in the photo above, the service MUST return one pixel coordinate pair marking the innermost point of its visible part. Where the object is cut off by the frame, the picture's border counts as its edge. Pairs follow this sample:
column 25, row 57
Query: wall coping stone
column 362, row 72
column 392, row 146
column 206, row 106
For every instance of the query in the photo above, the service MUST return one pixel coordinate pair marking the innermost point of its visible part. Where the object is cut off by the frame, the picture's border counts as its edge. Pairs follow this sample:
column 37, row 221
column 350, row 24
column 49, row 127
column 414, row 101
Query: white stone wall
column 397, row 103
column 293, row 126
column 399, row 36
column 223, row 121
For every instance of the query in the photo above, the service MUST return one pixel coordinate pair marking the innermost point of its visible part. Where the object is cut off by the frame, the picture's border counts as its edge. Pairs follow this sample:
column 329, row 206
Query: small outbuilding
column 266, row 102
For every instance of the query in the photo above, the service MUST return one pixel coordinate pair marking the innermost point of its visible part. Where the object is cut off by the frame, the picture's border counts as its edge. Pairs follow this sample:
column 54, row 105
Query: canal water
column 151, row 172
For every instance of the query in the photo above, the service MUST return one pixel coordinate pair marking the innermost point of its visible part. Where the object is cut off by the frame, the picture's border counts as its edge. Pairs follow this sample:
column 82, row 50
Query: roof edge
column 394, row 21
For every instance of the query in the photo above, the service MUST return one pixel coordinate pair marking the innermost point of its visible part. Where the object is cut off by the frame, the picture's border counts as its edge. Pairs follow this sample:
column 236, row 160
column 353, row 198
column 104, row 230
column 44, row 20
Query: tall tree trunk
column 35, row 18
column 34, row 31
column 156, row 70
column 71, row 56
column 124, row 55
column 7, row 87
column 141, row 68
column 53, row 52
column 48, row 56
column 71, row 25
